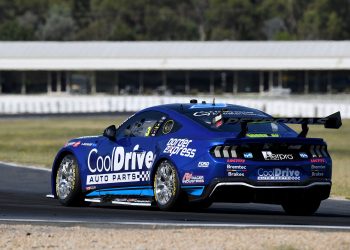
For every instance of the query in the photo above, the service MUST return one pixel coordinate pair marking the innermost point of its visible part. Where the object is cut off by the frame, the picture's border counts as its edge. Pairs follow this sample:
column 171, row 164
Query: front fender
column 59, row 156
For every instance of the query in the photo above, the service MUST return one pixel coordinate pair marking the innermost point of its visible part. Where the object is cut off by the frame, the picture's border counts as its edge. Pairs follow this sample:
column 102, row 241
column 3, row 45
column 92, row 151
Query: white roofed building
column 174, row 67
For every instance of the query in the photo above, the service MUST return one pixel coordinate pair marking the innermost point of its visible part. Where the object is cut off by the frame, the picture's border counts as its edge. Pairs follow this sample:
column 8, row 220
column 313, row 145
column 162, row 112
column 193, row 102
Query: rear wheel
column 68, row 183
column 166, row 186
column 301, row 206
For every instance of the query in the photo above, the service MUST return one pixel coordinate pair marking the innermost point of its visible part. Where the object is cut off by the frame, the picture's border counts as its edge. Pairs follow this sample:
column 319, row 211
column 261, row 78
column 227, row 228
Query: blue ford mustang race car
column 193, row 154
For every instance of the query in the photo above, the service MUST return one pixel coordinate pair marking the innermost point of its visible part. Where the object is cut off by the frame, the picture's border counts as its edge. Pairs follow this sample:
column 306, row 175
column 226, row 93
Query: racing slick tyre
column 167, row 186
column 68, row 183
column 301, row 206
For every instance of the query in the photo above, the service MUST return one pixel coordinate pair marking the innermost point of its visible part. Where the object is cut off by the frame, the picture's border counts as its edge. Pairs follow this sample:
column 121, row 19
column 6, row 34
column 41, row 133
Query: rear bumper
column 229, row 191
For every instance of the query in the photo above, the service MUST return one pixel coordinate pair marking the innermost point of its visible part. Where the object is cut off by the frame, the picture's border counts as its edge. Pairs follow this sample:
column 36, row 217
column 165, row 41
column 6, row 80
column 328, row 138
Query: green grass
column 36, row 141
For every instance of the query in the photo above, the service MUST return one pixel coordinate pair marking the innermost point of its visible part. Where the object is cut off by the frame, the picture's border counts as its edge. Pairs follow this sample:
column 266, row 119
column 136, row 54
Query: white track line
column 16, row 165
column 201, row 225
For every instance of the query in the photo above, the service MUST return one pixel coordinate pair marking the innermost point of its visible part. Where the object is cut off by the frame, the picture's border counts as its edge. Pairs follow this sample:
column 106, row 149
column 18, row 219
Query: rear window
column 205, row 117
column 270, row 128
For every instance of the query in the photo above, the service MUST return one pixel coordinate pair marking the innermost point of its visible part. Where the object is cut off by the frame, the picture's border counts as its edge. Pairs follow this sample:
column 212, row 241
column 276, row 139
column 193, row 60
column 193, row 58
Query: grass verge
column 36, row 141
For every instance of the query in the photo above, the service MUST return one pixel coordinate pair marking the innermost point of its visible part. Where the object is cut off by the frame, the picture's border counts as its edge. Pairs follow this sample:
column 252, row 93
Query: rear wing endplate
column 332, row 121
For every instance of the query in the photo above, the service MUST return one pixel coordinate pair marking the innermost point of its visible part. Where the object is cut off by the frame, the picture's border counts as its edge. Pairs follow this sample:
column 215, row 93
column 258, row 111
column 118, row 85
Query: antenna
column 214, row 101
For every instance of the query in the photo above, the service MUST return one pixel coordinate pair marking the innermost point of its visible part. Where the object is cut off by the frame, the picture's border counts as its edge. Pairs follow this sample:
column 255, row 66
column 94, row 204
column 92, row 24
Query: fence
column 34, row 104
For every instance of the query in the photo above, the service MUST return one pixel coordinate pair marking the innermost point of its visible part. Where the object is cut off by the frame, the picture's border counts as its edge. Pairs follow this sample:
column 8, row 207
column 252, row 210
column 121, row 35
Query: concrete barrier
column 43, row 104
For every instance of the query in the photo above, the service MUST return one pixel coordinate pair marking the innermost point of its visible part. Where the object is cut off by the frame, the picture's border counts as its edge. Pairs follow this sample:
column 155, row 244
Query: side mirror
column 110, row 132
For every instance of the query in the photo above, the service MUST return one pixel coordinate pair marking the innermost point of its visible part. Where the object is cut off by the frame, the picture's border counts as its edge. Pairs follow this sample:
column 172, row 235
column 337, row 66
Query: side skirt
column 142, row 196
column 135, row 196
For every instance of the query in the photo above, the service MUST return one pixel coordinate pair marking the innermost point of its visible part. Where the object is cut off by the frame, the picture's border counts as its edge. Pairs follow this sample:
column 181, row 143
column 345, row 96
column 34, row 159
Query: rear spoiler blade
column 332, row 121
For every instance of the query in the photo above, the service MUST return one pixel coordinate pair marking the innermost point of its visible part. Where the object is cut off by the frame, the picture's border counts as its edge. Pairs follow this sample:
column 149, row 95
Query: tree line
column 133, row 20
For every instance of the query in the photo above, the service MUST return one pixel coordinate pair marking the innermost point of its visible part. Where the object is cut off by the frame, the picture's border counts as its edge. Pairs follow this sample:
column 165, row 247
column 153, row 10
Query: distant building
column 174, row 68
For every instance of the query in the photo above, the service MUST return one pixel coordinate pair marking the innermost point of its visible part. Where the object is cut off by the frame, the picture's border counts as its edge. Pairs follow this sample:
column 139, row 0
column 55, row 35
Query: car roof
column 192, row 107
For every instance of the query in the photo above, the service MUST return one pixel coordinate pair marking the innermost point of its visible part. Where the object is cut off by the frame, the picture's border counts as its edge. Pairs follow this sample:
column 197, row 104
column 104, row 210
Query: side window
column 143, row 125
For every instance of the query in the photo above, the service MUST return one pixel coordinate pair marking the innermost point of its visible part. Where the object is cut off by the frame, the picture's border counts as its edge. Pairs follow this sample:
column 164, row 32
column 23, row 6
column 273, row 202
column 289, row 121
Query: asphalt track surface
column 22, row 200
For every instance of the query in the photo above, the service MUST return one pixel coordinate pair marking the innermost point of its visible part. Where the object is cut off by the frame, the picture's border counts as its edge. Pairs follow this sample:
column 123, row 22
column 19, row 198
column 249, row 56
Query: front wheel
column 166, row 186
column 301, row 206
column 68, row 183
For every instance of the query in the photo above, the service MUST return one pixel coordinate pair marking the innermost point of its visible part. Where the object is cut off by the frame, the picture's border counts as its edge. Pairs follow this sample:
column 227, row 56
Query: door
column 127, row 160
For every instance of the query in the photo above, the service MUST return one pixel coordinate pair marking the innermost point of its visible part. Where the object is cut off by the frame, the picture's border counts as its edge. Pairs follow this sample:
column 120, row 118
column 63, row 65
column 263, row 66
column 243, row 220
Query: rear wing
column 332, row 121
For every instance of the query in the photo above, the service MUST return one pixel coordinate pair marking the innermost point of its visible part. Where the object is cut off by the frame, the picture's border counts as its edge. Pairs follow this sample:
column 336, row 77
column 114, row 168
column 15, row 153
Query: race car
column 190, row 155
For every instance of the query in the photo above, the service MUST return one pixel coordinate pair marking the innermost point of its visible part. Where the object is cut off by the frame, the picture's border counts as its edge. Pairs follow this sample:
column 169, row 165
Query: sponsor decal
column 118, row 177
column 262, row 135
column 236, row 174
column 318, row 160
column 88, row 144
column 234, row 167
column 153, row 130
column 317, row 174
column 179, row 147
column 269, row 156
column 317, row 170
column 318, row 167
column 248, row 155
column 119, row 160
column 219, row 123
column 227, row 113
column 186, row 177
column 235, row 160
column 303, row 155
column 189, row 178
column 90, row 188
column 217, row 120
column 168, row 126
column 278, row 174
column 89, row 136
column 113, row 168
column 236, row 171
column 148, row 131
column 204, row 105
column 73, row 143
column 278, row 120
column 203, row 164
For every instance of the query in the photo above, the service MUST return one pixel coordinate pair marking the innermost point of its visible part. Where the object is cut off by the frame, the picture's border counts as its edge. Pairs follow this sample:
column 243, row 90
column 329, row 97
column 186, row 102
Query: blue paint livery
column 126, row 166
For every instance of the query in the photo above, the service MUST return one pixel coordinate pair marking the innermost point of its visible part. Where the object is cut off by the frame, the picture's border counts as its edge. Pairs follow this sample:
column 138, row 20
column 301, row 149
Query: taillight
column 256, row 151
column 324, row 151
column 318, row 151
column 217, row 152
column 225, row 151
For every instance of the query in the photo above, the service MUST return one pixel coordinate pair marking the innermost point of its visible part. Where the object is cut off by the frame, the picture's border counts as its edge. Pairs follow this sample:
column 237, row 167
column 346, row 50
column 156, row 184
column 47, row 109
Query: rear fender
column 156, row 164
